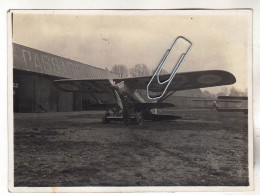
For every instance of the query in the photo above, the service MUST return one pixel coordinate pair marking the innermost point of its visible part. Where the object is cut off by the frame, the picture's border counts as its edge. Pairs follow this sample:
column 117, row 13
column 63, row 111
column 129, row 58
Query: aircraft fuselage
column 128, row 93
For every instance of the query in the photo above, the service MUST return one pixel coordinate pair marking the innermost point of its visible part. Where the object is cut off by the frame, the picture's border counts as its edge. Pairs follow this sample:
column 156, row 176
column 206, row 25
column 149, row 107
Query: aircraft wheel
column 139, row 118
column 105, row 120
column 127, row 121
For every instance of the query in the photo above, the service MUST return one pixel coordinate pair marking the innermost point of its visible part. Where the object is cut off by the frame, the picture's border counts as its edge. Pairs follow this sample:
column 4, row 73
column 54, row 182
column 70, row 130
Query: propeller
column 118, row 99
column 116, row 86
column 113, row 83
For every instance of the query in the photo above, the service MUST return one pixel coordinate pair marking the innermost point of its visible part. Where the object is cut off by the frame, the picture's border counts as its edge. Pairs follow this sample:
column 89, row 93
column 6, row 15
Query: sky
column 219, row 39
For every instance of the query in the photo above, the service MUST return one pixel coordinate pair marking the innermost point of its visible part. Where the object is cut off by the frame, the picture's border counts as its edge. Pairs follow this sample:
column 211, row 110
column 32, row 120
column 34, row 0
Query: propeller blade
column 118, row 99
column 112, row 82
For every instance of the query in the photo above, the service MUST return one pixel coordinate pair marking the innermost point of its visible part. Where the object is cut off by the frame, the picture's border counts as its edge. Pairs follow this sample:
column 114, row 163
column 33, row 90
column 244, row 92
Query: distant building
column 184, row 99
column 33, row 73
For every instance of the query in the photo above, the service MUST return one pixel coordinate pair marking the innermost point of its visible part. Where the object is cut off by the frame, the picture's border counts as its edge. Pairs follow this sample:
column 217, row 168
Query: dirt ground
column 204, row 148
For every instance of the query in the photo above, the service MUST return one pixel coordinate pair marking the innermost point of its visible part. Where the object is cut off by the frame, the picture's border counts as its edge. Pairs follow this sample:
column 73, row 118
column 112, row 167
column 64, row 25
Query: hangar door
column 36, row 93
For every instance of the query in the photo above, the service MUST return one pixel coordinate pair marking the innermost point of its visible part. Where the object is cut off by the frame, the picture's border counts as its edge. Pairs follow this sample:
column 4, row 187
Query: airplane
column 125, row 104
column 222, row 103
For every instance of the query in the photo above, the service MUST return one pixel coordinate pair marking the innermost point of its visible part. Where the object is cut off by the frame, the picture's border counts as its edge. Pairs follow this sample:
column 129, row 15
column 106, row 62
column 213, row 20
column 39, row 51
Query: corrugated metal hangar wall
column 33, row 73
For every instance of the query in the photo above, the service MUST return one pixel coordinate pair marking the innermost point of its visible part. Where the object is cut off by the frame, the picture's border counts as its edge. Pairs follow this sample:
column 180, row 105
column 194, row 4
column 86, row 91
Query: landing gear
column 105, row 120
column 129, row 115
column 134, row 118
column 139, row 118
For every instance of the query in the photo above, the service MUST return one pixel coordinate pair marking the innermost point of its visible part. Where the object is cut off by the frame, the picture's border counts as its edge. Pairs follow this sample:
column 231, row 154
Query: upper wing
column 184, row 81
column 181, row 81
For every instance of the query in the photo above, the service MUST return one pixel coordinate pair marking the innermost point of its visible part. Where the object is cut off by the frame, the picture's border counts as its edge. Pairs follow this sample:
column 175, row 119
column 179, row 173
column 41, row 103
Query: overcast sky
column 220, row 40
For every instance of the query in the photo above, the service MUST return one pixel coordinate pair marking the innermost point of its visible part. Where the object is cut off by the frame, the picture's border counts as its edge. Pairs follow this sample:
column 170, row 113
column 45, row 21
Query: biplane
column 126, row 104
column 226, row 104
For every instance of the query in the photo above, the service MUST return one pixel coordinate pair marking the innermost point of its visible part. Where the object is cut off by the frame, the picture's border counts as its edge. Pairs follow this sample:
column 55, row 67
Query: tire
column 139, row 118
column 105, row 120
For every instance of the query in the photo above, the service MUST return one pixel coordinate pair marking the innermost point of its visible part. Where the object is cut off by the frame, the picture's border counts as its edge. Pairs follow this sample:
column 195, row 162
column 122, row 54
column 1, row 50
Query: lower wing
column 149, row 106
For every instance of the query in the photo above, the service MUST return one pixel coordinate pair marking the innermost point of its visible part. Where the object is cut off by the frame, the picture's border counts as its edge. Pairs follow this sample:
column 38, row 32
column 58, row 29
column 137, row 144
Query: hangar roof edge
column 37, row 60
column 61, row 57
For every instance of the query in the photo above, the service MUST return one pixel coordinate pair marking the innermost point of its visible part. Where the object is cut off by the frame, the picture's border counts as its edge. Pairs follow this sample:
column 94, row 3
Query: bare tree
column 140, row 70
column 224, row 91
column 163, row 71
column 206, row 94
column 121, row 70
column 244, row 93
column 237, row 92
column 137, row 71
column 209, row 95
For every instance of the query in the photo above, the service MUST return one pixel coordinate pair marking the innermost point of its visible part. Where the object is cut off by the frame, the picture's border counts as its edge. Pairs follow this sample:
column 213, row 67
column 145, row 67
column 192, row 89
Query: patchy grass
column 78, row 150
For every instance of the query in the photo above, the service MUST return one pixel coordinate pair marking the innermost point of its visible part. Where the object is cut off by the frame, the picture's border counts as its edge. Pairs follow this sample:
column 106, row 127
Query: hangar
column 33, row 73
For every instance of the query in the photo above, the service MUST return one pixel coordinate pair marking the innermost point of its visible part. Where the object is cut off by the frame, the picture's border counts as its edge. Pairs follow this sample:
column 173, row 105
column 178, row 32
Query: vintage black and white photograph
column 131, row 98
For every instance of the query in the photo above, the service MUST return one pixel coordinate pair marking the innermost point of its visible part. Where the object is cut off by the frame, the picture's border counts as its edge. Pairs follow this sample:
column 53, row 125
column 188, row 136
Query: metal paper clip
column 159, row 68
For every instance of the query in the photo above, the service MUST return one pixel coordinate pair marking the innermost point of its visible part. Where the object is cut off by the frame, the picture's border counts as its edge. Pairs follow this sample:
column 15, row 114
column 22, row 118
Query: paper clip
column 159, row 68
